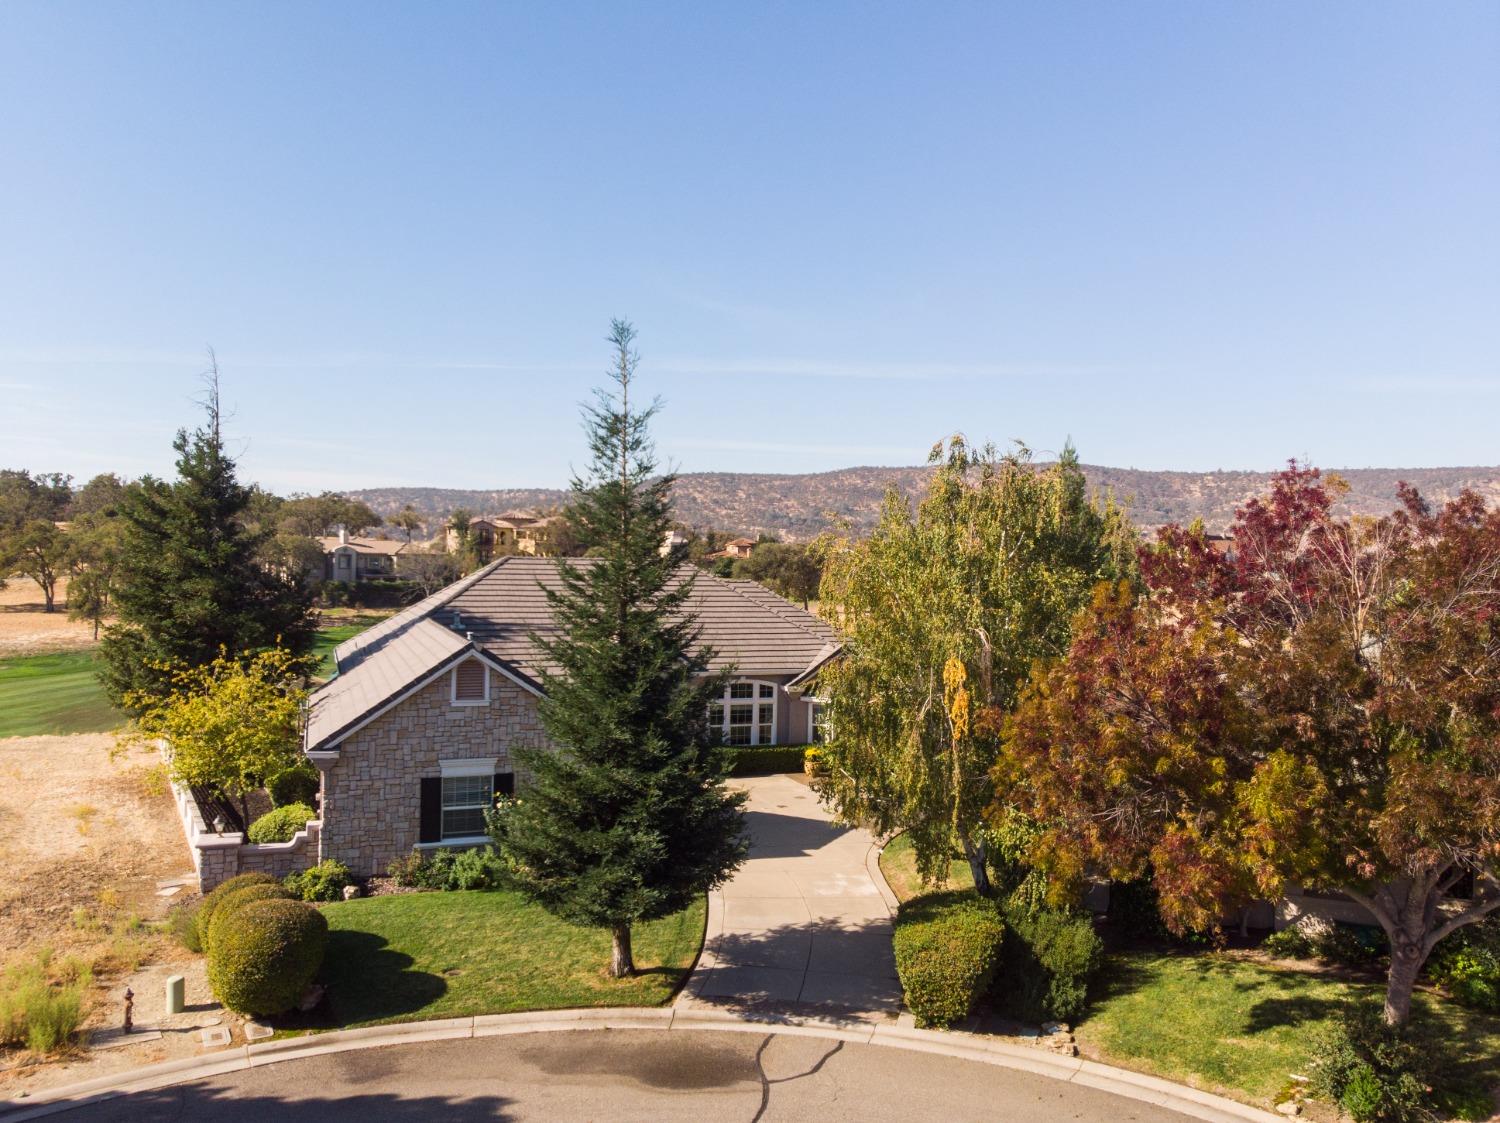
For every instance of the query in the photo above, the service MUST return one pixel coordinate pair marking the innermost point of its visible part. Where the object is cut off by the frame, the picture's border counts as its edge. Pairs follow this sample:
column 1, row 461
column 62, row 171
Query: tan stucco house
column 418, row 731
column 509, row 533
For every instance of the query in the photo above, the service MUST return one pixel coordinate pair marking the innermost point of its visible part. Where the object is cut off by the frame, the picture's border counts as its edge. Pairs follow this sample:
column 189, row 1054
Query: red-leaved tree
column 1319, row 705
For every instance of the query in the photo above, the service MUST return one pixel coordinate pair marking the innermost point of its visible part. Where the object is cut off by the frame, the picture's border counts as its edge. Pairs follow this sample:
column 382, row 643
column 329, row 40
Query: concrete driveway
column 805, row 924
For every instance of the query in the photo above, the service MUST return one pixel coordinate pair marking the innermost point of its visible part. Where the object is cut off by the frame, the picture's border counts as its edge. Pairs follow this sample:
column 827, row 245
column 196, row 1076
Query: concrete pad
column 753, row 984
column 855, row 992
column 788, row 948
column 836, row 883
column 854, row 953
column 764, row 912
column 847, row 909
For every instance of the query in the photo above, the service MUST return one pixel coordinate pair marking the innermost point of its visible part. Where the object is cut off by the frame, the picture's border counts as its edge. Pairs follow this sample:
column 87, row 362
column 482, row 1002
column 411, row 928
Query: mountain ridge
column 799, row 505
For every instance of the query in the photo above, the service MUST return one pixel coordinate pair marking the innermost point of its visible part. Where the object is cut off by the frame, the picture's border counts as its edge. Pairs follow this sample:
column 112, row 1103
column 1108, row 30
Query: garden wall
column 218, row 857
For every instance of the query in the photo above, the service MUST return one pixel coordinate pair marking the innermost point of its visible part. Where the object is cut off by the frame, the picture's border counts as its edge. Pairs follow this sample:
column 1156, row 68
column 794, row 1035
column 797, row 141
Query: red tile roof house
column 418, row 730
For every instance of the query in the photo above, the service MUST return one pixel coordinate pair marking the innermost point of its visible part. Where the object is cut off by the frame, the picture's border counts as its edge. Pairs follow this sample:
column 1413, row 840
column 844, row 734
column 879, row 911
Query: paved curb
column 962, row 1046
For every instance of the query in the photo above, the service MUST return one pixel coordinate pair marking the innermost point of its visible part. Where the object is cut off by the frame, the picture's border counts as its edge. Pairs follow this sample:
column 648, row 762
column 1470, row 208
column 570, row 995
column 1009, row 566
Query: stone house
column 417, row 732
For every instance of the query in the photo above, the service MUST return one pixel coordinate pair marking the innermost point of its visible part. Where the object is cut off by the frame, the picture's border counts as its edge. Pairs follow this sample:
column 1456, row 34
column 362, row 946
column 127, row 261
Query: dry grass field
column 83, row 841
column 26, row 630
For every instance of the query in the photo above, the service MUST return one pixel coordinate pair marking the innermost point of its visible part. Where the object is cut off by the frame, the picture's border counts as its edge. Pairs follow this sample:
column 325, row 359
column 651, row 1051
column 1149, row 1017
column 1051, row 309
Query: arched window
column 746, row 713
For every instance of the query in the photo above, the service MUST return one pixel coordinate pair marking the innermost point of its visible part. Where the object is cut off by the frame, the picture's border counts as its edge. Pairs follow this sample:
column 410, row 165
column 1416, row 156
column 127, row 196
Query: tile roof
column 363, row 545
column 497, row 609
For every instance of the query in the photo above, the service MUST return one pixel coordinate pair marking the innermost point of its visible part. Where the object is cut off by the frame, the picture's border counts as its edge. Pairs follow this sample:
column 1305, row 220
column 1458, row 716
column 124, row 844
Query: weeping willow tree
column 943, row 610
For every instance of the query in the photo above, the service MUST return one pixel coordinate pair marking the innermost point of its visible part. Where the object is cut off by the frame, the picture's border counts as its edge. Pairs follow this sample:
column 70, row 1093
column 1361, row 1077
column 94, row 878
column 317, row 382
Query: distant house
column 352, row 560
column 417, row 733
column 511, row 533
column 735, row 548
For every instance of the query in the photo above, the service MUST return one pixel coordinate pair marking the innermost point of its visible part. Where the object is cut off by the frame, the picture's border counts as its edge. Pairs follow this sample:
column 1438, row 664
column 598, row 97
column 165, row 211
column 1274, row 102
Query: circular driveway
column 702, row 1076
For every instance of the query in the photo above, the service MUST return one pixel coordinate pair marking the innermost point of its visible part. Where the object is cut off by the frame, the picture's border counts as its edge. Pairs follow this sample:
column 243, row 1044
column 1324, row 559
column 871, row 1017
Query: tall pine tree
column 191, row 582
column 627, row 818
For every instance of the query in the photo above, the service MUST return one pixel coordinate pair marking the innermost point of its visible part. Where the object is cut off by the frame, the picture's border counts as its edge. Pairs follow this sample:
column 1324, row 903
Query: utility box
column 176, row 994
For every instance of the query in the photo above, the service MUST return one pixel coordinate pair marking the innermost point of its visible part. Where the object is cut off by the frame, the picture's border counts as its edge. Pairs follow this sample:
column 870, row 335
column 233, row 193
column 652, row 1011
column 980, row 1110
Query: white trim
column 473, row 766
column 812, row 706
column 395, row 700
column 453, row 697
column 724, row 701
column 447, row 843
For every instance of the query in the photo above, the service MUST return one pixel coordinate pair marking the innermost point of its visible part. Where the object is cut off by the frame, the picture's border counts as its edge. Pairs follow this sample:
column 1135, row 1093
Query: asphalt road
column 705, row 1077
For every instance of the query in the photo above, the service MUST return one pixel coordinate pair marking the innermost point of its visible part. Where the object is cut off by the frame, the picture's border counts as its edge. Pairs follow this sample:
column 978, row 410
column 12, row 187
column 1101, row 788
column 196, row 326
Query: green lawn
column 328, row 638
column 446, row 955
column 1225, row 1022
column 53, row 694
column 898, row 862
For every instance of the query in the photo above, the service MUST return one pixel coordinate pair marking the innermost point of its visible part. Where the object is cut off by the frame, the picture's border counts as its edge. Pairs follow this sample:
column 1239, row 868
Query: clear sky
column 1189, row 235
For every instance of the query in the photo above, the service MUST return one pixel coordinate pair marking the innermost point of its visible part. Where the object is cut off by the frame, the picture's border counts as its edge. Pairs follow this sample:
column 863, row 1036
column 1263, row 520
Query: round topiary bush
column 282, row 823
column 265, row 955
column 232, row 902
column 947, row 949
column 205, row 913
column 297, row 784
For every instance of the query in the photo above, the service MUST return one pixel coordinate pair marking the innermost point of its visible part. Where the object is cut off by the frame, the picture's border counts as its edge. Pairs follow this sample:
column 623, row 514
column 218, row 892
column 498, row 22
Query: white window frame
column 453, row 686
column 812, row 724
column 472, row 766
column 724, row 701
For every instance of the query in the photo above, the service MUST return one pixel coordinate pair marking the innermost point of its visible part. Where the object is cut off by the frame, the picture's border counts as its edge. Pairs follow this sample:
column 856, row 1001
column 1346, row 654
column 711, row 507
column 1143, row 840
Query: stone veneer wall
column 371, row 795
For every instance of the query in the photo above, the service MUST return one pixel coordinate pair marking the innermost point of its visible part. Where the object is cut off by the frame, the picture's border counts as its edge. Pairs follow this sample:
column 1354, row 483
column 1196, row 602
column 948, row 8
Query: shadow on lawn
column 367, row 981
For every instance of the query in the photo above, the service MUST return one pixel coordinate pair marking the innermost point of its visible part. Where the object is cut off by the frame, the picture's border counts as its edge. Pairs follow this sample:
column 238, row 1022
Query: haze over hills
column 798, row 507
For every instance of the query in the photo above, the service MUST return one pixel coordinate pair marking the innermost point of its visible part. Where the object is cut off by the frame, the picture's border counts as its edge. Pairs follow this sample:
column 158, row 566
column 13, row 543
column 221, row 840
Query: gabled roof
column 494, row 612
column 331, row 542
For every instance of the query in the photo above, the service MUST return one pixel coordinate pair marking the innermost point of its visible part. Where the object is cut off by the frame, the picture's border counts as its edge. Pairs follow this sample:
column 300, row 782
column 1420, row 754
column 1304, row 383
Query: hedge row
column 766, row 760
column 947, row 949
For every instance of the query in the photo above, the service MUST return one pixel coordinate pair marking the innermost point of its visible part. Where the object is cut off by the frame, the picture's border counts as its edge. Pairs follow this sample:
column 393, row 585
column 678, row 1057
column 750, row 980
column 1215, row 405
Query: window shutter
column 430, row 828
column 505, row 783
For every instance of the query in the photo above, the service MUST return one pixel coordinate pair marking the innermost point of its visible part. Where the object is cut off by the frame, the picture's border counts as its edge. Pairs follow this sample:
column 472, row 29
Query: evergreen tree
column 191, row 583
column 627, row 819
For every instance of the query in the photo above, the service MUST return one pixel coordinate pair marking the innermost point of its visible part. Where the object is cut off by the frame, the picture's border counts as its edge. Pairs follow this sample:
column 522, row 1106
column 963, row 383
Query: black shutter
column 430, row 828
column 505, row 783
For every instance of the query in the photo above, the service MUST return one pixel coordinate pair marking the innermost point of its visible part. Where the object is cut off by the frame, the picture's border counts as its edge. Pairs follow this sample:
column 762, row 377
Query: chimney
column 343, row 536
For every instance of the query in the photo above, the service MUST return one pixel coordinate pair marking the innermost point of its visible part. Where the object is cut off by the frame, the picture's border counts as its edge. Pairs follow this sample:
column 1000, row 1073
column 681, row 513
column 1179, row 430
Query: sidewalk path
column 805, row 924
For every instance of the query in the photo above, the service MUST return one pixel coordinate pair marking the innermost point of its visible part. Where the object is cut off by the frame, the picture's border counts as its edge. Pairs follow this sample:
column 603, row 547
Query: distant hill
column 798, row 507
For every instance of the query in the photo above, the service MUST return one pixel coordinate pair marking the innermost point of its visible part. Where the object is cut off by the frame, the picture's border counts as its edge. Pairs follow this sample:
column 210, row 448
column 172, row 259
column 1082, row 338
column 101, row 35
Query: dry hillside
column 799, row 506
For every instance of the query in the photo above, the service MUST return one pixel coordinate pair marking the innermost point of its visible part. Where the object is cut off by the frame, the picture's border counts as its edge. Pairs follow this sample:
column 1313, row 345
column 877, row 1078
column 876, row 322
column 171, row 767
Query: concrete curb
column 961, row 1046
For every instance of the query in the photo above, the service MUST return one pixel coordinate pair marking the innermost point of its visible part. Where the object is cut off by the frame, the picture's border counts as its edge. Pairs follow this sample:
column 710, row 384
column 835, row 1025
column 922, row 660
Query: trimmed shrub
column 1376, row 1072
column 767, row 760
column 238, row 899
column 325, row 881
column 205, row 913
column 297, row 784
column 282, row 823
column 1048, row 960
column 1312, row 937
column 265, row 955
column 947, row 947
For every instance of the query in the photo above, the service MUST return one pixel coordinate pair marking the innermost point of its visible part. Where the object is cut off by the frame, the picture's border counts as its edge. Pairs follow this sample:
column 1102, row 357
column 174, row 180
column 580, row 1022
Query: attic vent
column 468, row 681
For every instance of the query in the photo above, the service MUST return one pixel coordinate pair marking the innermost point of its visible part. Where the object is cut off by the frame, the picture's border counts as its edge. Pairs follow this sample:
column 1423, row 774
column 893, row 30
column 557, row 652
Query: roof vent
column 458, row 621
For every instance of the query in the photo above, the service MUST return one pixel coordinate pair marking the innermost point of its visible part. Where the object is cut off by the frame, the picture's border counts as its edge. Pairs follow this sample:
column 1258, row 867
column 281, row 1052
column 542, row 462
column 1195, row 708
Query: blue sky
column 1188, row 235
